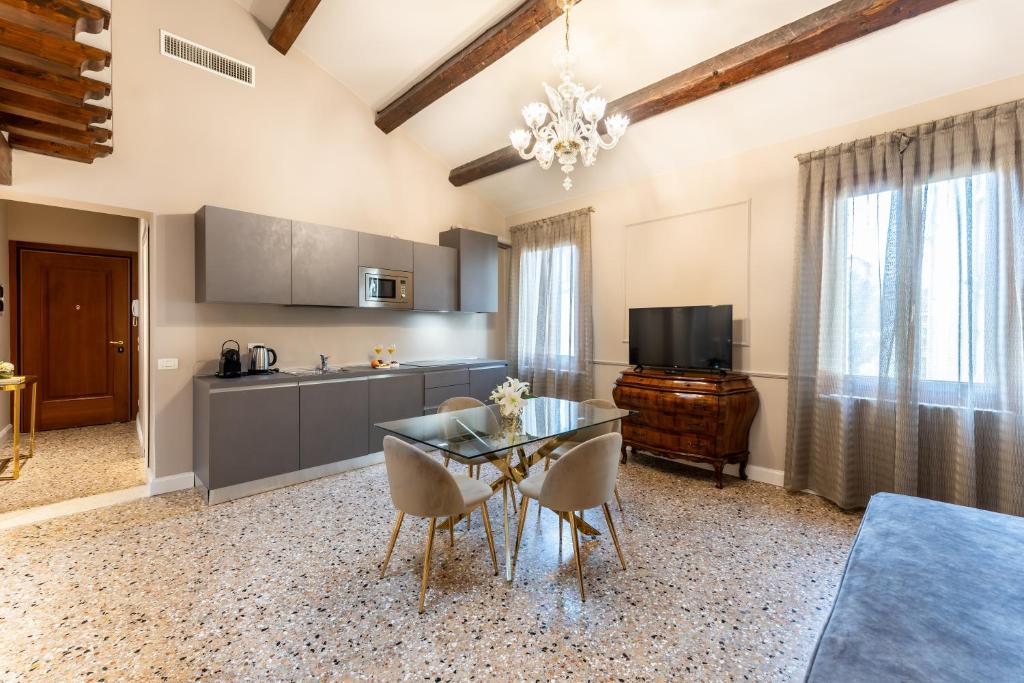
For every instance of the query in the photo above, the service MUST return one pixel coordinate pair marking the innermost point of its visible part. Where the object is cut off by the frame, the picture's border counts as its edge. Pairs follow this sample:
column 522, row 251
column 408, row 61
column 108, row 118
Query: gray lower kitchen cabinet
column 325, row 265
column 483, row 380
column 253, row 432
column 242, row 257
column 435, row 274
column 394, row 397
column 391, row 253
column 478, row 268
column 333, row 421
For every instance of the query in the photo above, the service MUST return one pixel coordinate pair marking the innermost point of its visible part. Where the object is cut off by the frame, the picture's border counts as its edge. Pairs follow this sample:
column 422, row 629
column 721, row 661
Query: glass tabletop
column 476, row 433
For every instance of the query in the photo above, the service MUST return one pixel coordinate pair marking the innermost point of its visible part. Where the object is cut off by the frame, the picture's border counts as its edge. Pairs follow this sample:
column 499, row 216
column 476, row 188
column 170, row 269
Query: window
column 956, row 301
column 549, row 316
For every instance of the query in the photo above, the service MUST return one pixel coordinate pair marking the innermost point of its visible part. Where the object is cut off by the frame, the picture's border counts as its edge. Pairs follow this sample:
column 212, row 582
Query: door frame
column 15, row 249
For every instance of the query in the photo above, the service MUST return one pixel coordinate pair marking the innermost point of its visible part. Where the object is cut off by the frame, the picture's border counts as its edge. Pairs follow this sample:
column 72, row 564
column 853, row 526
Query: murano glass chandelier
column 568, row 127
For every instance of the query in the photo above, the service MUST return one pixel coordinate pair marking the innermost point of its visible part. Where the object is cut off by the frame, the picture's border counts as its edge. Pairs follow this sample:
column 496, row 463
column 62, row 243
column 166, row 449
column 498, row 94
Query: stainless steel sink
column 312, row 371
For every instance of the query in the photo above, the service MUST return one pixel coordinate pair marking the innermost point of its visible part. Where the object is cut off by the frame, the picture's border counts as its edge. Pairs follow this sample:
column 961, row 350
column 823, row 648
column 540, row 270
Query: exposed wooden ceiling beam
column 291, row 23
column 49, row 53
column 6, row 174
column 834, row 25
column 487, row 48
column 61, row 18
column 30, row 81
column 86, row 155
column 51, row 132
column 76, row 117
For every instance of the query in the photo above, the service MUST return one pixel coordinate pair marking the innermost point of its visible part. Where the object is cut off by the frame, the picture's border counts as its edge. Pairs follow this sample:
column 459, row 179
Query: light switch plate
column 167, row 363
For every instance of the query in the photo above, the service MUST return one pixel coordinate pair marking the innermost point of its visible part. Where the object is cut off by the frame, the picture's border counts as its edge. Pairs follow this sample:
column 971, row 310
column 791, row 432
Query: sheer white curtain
column 908, row 347
column 550, row 327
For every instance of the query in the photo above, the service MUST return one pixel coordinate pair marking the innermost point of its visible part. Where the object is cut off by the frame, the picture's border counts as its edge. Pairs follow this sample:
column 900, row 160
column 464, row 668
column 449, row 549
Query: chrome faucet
column 323, row 362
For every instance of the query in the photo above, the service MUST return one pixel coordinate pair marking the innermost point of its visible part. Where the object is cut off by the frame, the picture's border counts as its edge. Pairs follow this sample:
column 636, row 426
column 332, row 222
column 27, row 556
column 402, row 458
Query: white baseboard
column 765, row 475
column 174, row 482
column 70, row 507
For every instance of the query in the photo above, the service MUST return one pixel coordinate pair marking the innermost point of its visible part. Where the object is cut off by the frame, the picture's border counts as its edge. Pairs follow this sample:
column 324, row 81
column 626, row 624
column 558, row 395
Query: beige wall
column 767, row 179
column 299, row 145
column 28, row 222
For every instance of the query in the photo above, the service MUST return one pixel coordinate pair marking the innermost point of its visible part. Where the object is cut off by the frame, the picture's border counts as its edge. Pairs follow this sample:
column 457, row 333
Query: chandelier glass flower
column 569, row 126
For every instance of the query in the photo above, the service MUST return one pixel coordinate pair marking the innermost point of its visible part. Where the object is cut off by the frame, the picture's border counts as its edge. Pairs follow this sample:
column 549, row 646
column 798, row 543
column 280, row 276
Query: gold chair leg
column 576, row 552
column 32, row 422
column 519, row 533
column 391, row 544
column 490, row 535
column 615, row 536
column 617, row 499
column 426, row 561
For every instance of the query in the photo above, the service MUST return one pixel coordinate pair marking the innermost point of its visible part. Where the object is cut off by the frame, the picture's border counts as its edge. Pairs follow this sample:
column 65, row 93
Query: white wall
column 298, row 145
column 767, row 179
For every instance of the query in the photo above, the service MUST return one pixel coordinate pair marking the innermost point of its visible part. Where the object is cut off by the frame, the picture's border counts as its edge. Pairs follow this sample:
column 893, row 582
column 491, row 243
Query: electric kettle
column 261, row 360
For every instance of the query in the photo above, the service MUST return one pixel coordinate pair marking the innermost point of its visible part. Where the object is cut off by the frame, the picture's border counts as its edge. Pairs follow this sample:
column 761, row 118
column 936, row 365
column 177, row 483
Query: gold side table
column 17, row 400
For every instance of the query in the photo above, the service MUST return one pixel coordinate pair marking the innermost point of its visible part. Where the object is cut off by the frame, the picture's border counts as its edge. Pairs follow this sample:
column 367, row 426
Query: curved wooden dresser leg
column 743, row 469
column 624, row 447
column 718, row 475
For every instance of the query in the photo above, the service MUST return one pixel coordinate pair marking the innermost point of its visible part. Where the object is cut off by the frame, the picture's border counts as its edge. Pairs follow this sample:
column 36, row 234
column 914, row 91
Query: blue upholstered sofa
column 931, row 592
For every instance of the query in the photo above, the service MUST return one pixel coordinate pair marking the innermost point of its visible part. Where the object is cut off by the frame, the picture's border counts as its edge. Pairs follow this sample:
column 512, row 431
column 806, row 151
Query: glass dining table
column 477, row 435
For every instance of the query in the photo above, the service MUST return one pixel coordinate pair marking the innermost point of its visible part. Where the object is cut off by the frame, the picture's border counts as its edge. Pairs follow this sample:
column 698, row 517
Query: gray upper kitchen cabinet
column 478, row 268
column 242, row 257
column 390, row 253
column 435, row 274
column 333, row 420
column 393, row 397
column 253, row 434
column 325, row 265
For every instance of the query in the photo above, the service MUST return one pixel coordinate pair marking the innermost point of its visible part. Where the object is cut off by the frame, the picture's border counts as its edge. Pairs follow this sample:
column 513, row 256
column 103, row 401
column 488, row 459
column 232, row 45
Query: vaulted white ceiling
column 378, row 49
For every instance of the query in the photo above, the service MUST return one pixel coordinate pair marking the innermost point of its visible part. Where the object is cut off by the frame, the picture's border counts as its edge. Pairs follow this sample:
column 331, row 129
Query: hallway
column 73, row 463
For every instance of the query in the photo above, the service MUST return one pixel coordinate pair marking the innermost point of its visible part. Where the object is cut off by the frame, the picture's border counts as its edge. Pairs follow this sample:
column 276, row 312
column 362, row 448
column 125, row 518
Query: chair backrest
column 588, row 433
column 420, row 485
column 584, row 477
column 485, row 423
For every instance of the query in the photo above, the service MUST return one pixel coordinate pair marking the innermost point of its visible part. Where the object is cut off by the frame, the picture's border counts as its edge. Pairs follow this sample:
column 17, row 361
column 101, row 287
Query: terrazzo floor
column 722, row 585
column 73, row 463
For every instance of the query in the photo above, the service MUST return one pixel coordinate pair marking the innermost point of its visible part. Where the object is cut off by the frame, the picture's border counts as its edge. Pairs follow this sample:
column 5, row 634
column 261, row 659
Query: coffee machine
column 230, row 360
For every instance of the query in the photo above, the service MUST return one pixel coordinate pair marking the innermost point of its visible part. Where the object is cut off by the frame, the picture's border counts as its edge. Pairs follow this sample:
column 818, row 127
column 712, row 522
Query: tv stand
column 686, row 415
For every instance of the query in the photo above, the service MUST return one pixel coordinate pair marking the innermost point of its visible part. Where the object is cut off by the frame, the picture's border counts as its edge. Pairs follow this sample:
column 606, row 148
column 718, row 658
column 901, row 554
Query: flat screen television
column 683, row 337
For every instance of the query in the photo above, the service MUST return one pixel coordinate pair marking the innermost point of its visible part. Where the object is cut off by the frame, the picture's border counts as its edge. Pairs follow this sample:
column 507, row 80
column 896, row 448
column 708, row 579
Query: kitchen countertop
column 346, row 372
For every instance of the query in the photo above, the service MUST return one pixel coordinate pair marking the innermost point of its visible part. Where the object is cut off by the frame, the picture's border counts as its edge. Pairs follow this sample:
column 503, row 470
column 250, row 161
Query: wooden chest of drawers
column 700, row 417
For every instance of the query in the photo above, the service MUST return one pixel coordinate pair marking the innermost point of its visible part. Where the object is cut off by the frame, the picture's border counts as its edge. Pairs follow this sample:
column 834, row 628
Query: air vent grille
column 206, row 59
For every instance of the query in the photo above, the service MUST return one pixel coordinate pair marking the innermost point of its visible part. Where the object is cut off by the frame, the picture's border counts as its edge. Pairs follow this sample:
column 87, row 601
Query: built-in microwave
column 381, row 288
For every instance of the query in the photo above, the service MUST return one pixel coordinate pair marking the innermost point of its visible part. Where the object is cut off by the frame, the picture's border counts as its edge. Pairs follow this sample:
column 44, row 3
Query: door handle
column 117, row 343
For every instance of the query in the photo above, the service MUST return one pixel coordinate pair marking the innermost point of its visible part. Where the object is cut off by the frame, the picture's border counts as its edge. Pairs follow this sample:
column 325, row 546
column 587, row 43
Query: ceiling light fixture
column 569, row 127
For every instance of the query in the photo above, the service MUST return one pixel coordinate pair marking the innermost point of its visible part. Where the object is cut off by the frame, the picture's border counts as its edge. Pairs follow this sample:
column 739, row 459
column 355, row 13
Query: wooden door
column 75, row 334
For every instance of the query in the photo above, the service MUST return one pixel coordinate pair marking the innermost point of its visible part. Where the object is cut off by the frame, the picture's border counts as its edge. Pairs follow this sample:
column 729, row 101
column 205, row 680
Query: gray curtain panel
column 907, row 349
column 550, row 326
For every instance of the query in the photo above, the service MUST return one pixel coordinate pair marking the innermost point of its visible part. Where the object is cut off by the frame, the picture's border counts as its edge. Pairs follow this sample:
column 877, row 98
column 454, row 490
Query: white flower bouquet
column 510, row 395
column 6, row 369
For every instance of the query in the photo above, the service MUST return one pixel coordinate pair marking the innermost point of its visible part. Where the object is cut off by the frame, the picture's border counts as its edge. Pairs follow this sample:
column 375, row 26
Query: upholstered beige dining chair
column 581, row 479
column 421, row 487
column 586, row 434
column 488, row 426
